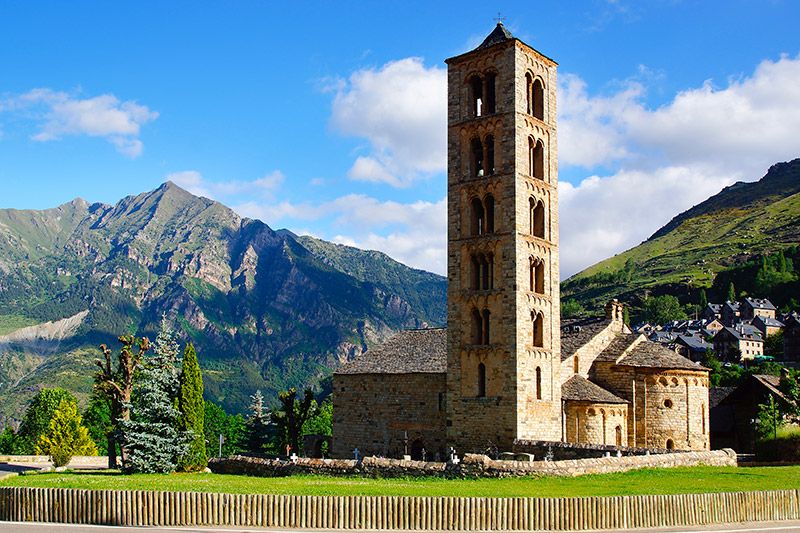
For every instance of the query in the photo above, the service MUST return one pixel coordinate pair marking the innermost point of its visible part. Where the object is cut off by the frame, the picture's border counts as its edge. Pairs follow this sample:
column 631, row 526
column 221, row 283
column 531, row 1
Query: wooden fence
column 146, row 508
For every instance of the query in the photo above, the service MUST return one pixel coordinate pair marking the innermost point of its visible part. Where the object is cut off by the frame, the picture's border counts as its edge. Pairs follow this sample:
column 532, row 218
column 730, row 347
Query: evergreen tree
column 190, row 403
column 97, row 419
column 258, row 426
column 731, row 292
column 8, row 441
column 232, row 428
column 151, row 437
column 626, row 316
column 703, row 299
column 38, row 416
column 65, row 436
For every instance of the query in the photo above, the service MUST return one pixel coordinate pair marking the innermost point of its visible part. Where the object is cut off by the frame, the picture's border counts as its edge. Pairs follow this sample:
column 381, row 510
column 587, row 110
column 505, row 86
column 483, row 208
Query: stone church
column 505, row 368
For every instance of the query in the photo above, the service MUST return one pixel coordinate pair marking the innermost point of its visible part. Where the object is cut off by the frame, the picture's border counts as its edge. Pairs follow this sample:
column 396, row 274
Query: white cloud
column 413, row 233
column 667, row 159
column 400, row 108
column 61, row 114
column 194, row 182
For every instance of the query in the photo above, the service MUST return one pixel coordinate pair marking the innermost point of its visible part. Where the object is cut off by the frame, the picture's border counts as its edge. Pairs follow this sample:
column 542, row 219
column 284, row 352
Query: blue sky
column 328, row 117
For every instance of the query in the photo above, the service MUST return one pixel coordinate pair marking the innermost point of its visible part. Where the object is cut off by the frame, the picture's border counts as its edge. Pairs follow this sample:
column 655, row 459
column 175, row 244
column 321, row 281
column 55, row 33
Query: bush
column 65, row 437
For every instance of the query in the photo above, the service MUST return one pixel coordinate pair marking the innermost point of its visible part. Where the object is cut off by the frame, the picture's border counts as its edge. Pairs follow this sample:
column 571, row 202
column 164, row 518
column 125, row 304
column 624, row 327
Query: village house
column 753, row 307
column 767, row 326
column 731, row 313
column 506, row 369
column 738, row 343
column 712, row 311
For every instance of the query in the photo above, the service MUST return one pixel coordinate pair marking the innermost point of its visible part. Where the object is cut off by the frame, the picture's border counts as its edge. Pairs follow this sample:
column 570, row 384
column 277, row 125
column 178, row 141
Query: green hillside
column 741, row 223
column 266, row 309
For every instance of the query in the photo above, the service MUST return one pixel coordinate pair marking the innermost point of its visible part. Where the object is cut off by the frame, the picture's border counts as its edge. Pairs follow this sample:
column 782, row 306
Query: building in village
column 506, row 369
column 739, row 343
column 791, row 337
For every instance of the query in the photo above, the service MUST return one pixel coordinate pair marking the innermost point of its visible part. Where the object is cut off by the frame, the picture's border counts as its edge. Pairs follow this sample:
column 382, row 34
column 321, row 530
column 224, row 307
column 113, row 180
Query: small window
column 576, row 365
column 490, row 93
column 538, row 330
column 536, row 218
column 476, row 160
column 481, row 380
column 668, row 403
column 476, row 89
column 486, row 322
column 670, row 444
column 441, row 402
column 478, row 217
column 490, row 155
column 538, row 383
column 489, row 210
column 538, row 99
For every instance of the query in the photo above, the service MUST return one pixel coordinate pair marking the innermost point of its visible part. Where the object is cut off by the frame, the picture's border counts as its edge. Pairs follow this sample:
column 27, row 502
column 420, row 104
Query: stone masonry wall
column 375, row 412
column 596, row 423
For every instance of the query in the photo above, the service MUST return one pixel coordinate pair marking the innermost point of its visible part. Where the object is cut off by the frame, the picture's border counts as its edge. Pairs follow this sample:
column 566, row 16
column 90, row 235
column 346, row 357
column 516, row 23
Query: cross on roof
column 500, row 19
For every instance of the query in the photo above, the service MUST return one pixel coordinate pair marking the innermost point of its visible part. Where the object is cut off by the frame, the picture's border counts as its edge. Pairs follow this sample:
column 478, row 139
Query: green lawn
column 650, row 481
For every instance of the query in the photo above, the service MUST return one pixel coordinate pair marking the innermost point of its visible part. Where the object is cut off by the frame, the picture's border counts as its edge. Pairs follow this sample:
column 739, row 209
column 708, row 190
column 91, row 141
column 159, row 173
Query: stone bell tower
column 503, row 295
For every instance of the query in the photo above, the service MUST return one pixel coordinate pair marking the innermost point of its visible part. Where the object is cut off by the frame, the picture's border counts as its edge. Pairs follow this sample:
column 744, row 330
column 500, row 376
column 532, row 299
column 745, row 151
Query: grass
column 648, row 481
column 11, row 323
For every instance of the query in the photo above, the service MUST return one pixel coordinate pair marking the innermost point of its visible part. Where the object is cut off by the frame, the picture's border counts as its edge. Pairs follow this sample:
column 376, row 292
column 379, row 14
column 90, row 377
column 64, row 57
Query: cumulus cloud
column 413, row 233
column 665, row 160
column 194, row 182
column 60, row 114
column 401, row 110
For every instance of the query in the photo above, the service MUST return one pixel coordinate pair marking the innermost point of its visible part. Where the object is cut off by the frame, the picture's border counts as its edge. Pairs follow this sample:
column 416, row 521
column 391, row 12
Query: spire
column 498, row 35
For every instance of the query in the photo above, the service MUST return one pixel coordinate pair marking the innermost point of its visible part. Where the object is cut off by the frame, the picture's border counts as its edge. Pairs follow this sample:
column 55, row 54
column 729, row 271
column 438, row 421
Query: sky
column 329, row 118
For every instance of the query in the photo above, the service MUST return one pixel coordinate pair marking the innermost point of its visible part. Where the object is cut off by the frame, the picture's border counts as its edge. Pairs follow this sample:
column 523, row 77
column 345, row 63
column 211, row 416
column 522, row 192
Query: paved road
column 9, row 527
column 7, row 468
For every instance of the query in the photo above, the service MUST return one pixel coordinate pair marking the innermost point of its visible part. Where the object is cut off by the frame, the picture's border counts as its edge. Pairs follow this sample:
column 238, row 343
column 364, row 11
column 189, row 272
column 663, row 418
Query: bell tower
column 503, row 334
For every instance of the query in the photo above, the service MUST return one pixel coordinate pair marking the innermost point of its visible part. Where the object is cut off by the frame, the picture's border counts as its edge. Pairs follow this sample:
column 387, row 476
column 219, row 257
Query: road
column 7, row 468
column 9, row 527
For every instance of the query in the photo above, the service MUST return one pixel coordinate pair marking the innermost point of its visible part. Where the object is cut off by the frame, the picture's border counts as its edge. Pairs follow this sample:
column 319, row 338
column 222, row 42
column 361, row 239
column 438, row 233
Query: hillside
column 731, row 228
column 266, row 309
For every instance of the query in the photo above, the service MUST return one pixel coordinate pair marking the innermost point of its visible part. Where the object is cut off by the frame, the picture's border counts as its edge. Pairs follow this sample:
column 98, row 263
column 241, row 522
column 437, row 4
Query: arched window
column 537, row 159
column 485, row 273
column 476, row 160
column 538, row 383
column 481, row 380
column 476, row 272
column 670, row 444
column 576, row 365
column 538, row 330
column 537, row 276
column 477, row 327
column 703, row 416
column 536, row 218
column 489, row 209
column 478, row 218
column 537, row 97
column 618, row 431
column 490, row 155
column 490, row 92
column 486, row 321
column 529, row 93
column 476, row 90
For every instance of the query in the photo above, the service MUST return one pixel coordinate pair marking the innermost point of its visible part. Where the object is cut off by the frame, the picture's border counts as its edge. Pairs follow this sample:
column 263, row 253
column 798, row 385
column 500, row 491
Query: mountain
column 266, row 309
column 730, row 229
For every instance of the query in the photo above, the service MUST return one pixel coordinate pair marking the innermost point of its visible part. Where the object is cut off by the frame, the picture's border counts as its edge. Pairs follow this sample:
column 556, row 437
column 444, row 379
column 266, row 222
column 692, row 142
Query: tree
column 116, row 385
column 38, row 416
column 65, row 436
column 151, row 436
column 8, row 441
column 322, row 422
column 663, row 309
column 190, row 404
column 571, row 308
column 773, row 345
column 770, row 418
column 258, row 425
column 731, row 292
column 217, row 422
column 292, row 415
column 703, row 302
column 97, row 420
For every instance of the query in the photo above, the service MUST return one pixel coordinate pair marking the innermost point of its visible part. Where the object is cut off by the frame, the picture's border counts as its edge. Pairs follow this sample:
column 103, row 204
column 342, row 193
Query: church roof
column 580, row 389
column 617, row 346
column 576, row 333
column 654, row 355
column 416, row 351
column 498, row 35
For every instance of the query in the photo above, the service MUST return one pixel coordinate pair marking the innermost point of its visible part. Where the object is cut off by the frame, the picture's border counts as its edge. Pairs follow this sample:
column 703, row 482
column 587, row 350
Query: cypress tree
column 192, row 408
column 703, row 299
column 731, row 292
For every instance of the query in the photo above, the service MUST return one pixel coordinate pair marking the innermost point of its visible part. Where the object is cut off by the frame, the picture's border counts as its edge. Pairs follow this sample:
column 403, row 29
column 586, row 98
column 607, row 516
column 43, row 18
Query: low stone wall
column 558, row 451
column 168, row 509
column 79, row 461
column 472, row 466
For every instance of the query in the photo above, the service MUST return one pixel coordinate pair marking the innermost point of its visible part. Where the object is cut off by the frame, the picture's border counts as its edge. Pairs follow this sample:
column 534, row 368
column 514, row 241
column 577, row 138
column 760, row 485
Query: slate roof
column 769, row 321
column 760, row 303
column 576, row 333
column 750, row 333
column 416, row 351
column 654, row 355
column 498, row 35
column 717, row 394
column 617, row 346
column 693, row 343
column 578, row 388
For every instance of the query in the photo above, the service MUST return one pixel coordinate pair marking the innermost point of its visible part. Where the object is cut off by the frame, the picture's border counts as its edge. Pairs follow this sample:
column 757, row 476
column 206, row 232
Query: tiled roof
column 617, row 346
column 417, row 351
column 498, row 35
column 580, row 389
column 576, row 333
column 654, row 355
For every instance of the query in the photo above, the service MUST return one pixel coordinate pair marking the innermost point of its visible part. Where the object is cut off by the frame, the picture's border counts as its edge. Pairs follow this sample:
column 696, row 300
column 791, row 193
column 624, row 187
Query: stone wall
column 472, row 466
column 596, row 423
column 559, row 451
column 377, row 412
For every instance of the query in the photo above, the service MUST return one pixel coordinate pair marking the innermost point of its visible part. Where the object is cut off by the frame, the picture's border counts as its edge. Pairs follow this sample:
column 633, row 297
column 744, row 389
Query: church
column 506, row 369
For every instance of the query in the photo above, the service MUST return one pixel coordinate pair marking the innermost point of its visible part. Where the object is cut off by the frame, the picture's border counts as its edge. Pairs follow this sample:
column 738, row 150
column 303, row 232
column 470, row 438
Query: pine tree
column 65, row 436
column 258, row 427
column 151, row 437
column 703, row 299
column 190, row 403
column 731, row 292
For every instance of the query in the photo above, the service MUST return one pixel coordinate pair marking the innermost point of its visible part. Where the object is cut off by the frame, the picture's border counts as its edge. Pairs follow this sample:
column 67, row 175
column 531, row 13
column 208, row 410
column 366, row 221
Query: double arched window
column 537, row 276
column 482, row 217
column 480, row 326
column 535, row 158
column 482, row 94
column 482, row 272
column 535, row 96
column 481, row 156
column 536, row 218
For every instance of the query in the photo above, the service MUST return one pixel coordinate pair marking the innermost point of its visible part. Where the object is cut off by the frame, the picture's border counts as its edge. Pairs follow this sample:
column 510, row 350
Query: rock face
column 265, row 309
